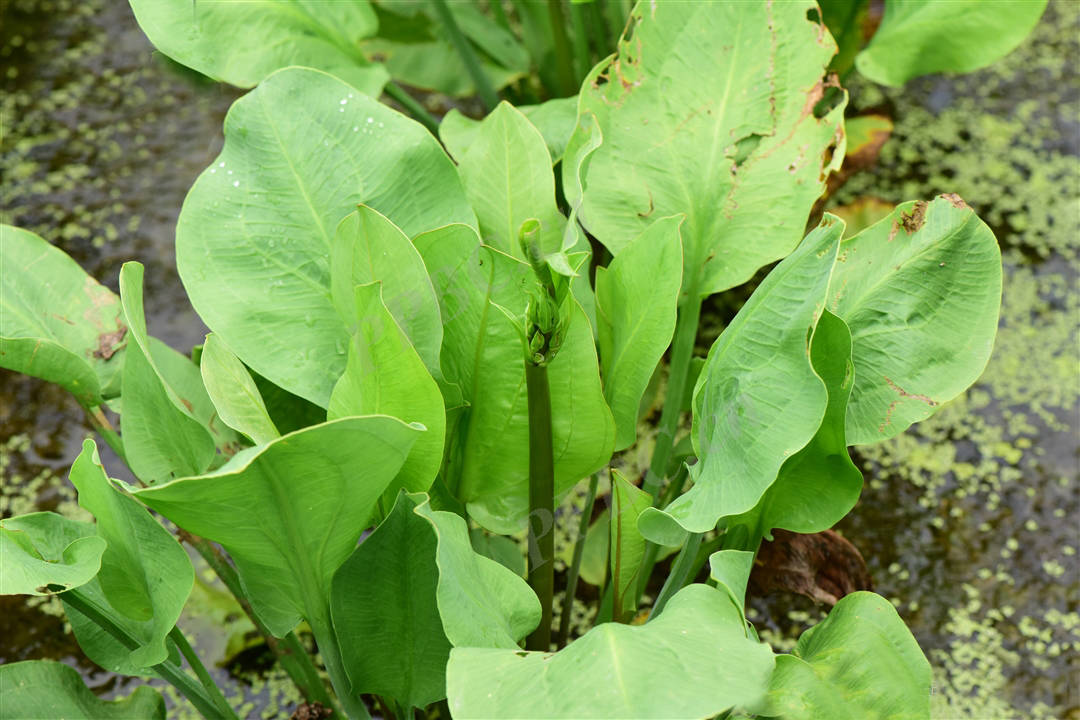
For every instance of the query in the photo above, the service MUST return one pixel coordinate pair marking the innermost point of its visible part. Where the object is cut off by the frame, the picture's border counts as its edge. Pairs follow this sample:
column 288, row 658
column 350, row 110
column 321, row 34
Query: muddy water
column 968, row 522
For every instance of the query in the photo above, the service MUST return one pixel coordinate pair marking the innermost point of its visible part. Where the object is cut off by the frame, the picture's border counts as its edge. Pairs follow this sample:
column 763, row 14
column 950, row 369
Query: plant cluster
column 417, row 351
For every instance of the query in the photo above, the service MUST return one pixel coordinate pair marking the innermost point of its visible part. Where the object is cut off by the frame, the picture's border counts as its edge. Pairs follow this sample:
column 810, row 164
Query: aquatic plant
column 474, row 363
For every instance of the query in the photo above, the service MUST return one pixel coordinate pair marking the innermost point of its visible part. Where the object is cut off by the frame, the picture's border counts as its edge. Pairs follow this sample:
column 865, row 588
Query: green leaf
column 385, row 612
column 917, row 37
column 242, row 42
column 850, row 24
column 694, row 661
column 145, row 576
column 920, row 292
column 385, row 376
column 368, row 248
column 43, row 553
column 502, row 550
column 56, row 322
column 289, row 513
column 487, row 466
column 859, row 662
column 482, row 603
column 636, row 300
column 418, row 578
column 758, row 399
column 254, row 236
column 233, row 392
column 507, row 175
column 707, row 109
column 627, row 544
column 555, row 119
column 818, row 485
column 730, row 569
column 47, row 690
column 162, row 437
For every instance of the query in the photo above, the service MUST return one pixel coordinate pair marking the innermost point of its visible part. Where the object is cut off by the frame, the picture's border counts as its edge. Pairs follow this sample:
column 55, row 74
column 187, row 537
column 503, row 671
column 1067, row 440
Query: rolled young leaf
column 636, row 297
column 234, row 393
column 56, row 322
column 627, row 544
column 507, row 175
column 917, row 37
column 859, row 662
column 47, row 690
column 385, row 376
column 205, row 37
column 368, row 248
column 254, row 237
column 707, row 109
column 709, row 666
column 162, row 436
column 44, row 553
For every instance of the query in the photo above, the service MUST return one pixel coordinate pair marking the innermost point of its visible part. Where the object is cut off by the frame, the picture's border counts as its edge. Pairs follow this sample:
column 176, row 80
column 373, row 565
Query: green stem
column 682, row 353
column 681, row 572
column 195, row 663
column 602, row 44
column 616, row 22
column 541, row 501
column 167, row 670
column 484, row 88
column 563, row 69
column 326, row 641
column 414, row 107
column 575, row 564
column 293, row 657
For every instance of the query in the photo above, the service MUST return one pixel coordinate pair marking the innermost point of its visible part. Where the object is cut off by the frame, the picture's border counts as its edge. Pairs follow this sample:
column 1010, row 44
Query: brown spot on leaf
column 109, row 343
column 955, row 200
column 903, row 394
column 824, row 566
column 187, row 404
column 914, row 220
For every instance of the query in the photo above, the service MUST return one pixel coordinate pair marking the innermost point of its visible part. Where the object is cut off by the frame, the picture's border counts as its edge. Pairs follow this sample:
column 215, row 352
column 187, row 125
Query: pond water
column 968, row 522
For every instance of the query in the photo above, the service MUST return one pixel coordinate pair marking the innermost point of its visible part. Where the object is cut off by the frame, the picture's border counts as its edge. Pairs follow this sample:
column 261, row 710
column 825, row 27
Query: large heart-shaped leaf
column 917, row 37
column 162, row 436
column 555, row 119
column 708, row 109
column 145, row 576
column 507, row 174
column 859, row 662
column 44, row 553
column 417, row 577
column 694, row 661
column 758, row 399
column 921, row 292
column 385, row 376
column 47, row 690
column 487, row 464
column 254, row 236
column 290, row 512
column 636, row 297
column 242, row 42
column 56, row 322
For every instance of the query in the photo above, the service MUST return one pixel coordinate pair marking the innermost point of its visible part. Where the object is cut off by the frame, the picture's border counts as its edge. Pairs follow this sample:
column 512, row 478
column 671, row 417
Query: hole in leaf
column 813, row 15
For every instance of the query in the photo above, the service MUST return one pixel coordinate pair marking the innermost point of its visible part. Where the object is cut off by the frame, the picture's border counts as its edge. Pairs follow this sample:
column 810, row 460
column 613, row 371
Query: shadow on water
column 968, row 522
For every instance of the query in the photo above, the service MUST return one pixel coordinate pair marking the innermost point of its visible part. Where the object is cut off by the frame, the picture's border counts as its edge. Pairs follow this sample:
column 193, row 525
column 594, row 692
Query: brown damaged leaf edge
column 955, row 200
column 109, row 343
column 911, row 222
column 823, row 566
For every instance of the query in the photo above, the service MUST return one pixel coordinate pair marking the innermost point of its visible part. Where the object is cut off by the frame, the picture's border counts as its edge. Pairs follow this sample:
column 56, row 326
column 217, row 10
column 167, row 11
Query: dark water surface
column 969, row 522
